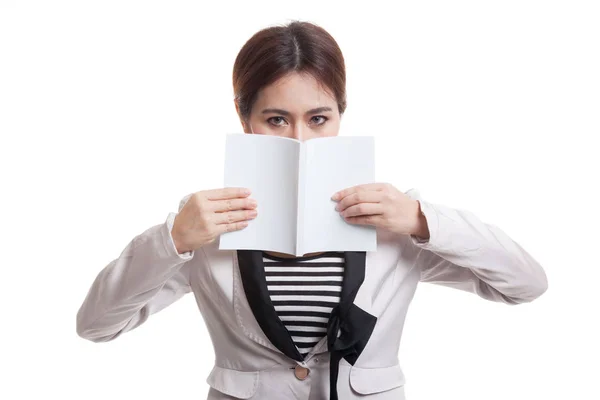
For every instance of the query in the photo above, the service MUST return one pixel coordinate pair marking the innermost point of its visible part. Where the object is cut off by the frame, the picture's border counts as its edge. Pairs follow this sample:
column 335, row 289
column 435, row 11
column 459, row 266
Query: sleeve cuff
column 432, row 219
column 170, row 243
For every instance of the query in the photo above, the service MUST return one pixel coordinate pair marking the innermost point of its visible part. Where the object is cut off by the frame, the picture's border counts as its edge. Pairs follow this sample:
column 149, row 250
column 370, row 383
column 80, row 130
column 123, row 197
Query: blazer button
column 301, row 372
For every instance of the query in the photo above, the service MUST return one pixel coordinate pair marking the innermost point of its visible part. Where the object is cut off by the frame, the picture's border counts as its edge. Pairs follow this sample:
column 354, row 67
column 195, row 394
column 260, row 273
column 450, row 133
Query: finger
column 375, row 220
column 235, row 226
column 358, row 188
column 233, row 216
column 232, row 205
column 359, row 197
column 227, row 193
column 363, row 209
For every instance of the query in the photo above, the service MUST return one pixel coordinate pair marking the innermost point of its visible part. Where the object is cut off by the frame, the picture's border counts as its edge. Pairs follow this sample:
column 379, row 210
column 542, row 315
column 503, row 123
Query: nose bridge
column 299, row 131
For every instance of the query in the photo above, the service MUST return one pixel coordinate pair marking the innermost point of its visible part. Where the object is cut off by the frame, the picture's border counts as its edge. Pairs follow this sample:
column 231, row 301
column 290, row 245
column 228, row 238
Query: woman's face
column 295, row 106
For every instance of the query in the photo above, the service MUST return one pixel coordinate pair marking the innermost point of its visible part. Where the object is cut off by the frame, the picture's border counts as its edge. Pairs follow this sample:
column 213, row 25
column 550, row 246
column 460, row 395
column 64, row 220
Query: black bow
column 354, row 326
column 349, row 327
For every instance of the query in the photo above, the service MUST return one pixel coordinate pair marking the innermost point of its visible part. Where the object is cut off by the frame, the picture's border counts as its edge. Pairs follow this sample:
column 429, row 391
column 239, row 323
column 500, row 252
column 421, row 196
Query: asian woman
column 325, row 325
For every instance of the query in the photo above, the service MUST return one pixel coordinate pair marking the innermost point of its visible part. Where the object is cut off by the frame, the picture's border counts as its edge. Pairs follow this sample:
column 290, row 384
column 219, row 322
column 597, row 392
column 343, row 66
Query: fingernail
column 337, row 207
column 253, row 202
column 253, row 213
column 335, row 196
column 246, row 191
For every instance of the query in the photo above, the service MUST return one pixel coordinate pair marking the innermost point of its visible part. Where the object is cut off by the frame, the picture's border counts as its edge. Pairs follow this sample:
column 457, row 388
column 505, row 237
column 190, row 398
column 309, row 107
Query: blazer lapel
column 252, row 273
column 349, row 327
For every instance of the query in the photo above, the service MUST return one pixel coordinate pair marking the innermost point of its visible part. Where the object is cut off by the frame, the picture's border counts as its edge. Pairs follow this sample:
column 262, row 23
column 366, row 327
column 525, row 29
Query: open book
column 293, row 182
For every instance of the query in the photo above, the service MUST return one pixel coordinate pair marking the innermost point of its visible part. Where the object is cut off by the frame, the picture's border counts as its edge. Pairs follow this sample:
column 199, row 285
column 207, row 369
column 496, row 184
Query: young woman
column 325, row 325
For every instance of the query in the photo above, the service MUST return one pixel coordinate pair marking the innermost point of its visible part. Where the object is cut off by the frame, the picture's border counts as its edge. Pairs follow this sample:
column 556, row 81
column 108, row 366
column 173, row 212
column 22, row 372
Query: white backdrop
column 112, row 111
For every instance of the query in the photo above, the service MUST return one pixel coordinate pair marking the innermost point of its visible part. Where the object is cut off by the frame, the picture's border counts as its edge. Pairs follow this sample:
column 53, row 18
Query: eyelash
column 270, row 121
column 325, row 119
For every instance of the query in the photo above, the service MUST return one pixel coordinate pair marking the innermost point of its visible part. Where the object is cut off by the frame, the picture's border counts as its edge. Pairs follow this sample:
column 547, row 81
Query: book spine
column 300, row 201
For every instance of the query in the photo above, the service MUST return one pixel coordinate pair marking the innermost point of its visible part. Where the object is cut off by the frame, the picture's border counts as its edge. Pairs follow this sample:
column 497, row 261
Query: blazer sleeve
column 464, row 253
column 148, row 275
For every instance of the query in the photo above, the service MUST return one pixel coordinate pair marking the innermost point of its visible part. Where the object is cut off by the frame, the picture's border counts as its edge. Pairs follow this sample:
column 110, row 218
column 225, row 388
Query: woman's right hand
column 209, row 213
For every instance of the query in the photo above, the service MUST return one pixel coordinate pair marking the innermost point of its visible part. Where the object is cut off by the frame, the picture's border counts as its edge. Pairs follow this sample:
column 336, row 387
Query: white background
column 112, row 111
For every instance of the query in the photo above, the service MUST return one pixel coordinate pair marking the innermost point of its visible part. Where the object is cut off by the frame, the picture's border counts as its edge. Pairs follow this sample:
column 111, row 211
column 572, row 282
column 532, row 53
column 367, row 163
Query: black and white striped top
column 304, row 290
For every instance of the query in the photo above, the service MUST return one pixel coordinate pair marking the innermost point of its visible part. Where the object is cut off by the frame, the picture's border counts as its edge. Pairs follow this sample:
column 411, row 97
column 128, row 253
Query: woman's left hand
column 383, row 206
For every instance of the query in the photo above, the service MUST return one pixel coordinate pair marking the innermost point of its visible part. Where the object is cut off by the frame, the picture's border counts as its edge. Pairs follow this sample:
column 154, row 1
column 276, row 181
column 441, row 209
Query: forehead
column 295, row 92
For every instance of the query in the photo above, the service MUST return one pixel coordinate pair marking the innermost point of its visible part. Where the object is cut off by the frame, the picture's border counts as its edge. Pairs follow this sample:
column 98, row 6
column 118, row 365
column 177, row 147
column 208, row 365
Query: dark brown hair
column 276, row 51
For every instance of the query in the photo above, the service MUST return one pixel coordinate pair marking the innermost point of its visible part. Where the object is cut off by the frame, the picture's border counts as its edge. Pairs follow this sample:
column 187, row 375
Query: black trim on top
column 304, row 258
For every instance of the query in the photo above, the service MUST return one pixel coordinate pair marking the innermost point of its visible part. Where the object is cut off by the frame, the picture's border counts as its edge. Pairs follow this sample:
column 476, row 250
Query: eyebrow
column 284, row 112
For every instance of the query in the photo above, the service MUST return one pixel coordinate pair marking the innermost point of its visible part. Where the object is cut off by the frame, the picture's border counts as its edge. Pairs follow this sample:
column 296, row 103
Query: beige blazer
column 462, row 252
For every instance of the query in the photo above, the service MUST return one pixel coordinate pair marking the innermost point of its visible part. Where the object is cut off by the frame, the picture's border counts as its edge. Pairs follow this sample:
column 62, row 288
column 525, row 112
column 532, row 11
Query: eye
column 319, row 119
column 277, row 121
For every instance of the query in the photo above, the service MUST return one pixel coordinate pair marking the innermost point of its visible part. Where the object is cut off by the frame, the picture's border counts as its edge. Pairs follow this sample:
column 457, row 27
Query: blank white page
column 332, row 164
column 267, row 165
